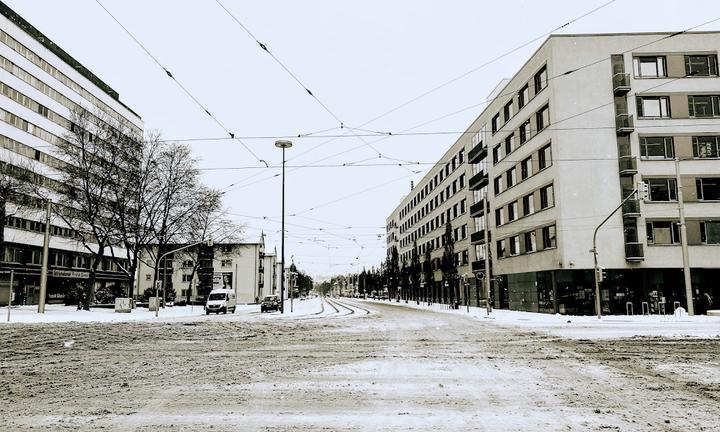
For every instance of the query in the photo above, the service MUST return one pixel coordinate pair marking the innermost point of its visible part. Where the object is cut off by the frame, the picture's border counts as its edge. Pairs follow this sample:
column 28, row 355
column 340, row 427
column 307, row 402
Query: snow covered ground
column 589, row 327
column 60, row 313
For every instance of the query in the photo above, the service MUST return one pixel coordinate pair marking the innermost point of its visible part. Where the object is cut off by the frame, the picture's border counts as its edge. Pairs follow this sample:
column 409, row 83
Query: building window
column 701, row 65
column 496, row 154
column 500, row 216
column 494, row 124
column 543, row 118
column 508, row 111
column 708, row 189
column 512, row 211
column 187, row 278
column 511, row 177
column 523, row 96
column 662, row 233
column 706, row 147
column 463, row 205
column 498, row 185
column 547, row 198
column 528, row 204
column 704, row 106
column 188, row 264
column 461, row 156
column 657, row 148
column 514, row 245
column 654, row 106
column 509, row 144
column 662, row 189
column 501, row 249
column 540, row 80
column 649, row 67
column 526, row 168
column 226, row 248
column 226, row 263
column 549, row 237
column 710, row 232
column 544, row 157
column 525, row 132
column 530, row 242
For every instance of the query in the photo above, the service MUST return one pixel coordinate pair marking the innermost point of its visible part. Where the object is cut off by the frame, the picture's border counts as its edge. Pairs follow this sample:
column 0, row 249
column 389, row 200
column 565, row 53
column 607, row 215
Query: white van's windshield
column 217, row 296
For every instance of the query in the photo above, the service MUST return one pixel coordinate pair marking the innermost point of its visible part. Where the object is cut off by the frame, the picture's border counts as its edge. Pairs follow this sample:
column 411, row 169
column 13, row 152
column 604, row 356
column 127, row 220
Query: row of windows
column 439, row 199
column 30, row 152
column 668, row 232
column 34, row 106
column 665, row 189
column 16, row 255
column 441, row 175
column 539, row 82
column 699, row 106
column 527, row 242
column 528, row 167
column 542, row 199
column 459, row 233
column 524, row 133
column 438, row 221
column 35, row 226
column 58, row 75
column 656, row 66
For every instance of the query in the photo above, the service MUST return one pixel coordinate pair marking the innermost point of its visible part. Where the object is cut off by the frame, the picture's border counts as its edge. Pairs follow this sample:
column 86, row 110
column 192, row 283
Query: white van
column 220, row 300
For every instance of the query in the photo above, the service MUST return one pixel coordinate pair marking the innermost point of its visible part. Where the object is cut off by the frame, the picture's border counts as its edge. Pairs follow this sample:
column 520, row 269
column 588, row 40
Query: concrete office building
column 40, row 85
column 566, row 139
column 242, row 267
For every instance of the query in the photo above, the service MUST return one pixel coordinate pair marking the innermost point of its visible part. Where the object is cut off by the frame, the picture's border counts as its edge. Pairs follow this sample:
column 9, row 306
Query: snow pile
column 589, row 327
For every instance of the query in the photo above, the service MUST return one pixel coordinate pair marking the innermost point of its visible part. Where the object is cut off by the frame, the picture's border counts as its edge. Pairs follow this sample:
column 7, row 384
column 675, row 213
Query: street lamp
column 283, row 144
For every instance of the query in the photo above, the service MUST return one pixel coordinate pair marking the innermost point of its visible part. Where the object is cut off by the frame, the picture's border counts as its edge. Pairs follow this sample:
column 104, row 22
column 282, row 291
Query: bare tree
column 96, row 153
column 18, row 181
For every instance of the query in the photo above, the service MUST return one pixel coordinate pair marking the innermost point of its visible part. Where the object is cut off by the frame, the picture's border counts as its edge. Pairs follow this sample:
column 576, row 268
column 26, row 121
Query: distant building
column 242, row 267
column 40, row 85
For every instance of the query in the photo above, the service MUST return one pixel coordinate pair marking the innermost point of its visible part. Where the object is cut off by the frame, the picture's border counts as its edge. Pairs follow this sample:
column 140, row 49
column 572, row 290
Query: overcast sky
column 361, row 59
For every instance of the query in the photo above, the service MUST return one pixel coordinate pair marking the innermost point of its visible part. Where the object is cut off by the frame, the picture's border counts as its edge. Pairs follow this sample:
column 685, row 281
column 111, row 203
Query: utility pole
column 683, row 240
column 487, row 281
column 46, row 255
column 10, row 293
column 283, row 144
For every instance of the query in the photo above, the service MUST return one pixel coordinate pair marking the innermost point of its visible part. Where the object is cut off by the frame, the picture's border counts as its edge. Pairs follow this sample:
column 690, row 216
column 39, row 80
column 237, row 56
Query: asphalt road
column 396, row 369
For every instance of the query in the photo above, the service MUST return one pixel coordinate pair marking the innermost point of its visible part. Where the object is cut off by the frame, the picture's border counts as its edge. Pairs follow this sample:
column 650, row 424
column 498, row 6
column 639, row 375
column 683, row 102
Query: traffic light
column 643, row 191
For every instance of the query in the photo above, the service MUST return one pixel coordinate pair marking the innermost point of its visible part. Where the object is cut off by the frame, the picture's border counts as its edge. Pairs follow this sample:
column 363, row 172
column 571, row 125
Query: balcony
column 477, row 153
column 477, row 209
column 624, row 124
column 621, row 83
column 477, row 237
column 478, row 266
column 631, row 208
column 627, row 165
column 478, row 180
column 634, row 252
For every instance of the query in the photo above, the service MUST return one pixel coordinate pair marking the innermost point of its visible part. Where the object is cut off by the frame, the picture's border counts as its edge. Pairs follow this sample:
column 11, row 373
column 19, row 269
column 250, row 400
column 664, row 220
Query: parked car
column 220, row 300
column 270, row 303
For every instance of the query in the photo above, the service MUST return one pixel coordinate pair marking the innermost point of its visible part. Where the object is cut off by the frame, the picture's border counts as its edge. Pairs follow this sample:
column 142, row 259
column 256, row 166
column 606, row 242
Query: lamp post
column 283, row 144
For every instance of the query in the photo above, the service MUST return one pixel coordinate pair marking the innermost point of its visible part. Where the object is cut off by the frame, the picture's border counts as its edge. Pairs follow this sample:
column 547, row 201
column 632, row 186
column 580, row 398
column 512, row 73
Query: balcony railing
column 477, row 153
column 621, row 83
column 478, row 180
column 477, row 237
column 631, row 208
column 627, row 165
column 624, row 124
column 477, row 209
column 634, row 252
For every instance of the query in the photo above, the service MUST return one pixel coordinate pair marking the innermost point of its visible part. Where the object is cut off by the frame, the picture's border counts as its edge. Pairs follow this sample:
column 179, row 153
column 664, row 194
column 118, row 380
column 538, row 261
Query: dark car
column 270, row 303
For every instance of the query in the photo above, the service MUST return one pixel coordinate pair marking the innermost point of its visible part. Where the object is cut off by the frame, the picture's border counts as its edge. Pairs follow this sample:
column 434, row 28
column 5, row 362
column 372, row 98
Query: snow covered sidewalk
column 588, row 327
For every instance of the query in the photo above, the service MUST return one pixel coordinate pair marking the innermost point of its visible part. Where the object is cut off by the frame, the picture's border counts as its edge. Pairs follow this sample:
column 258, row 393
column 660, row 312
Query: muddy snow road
column 396, row 369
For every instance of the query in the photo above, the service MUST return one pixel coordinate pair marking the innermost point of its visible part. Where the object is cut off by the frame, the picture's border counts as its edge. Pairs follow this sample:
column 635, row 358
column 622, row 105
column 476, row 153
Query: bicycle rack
column 629, row 308
column 645, row 308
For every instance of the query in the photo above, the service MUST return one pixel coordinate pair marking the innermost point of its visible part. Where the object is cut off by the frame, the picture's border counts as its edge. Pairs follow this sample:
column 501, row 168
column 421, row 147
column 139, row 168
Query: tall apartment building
column 40, row 85
column 419, row 221
column 569, row 137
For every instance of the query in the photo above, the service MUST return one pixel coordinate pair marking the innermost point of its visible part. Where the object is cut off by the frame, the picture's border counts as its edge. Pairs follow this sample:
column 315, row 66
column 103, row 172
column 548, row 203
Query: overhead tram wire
column 307, row 90
column 182, row 87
